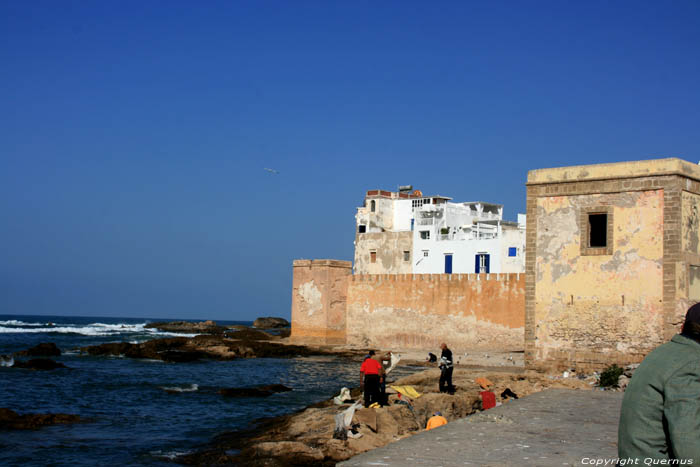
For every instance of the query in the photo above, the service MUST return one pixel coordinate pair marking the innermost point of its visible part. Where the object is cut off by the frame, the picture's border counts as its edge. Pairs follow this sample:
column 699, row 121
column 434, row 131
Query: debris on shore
column 306, row 437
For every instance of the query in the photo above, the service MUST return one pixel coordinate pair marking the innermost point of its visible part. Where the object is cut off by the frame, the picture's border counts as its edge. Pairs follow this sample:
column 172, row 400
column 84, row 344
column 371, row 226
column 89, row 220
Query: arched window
column 372, row 205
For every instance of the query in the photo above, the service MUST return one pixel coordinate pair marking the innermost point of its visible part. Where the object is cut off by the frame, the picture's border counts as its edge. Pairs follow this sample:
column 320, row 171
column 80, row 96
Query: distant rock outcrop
column 11, row 420
column 271, row 323
column 249, row 334
column 45, row 349
column 186, row 327
column 186, row 349
column 257, row 391
column 39, row 364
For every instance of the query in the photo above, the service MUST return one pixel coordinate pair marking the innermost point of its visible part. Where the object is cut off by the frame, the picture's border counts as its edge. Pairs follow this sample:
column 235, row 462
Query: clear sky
column 133, row 134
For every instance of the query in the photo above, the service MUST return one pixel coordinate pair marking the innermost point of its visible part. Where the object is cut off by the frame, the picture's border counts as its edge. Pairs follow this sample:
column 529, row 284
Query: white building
column 404, row 232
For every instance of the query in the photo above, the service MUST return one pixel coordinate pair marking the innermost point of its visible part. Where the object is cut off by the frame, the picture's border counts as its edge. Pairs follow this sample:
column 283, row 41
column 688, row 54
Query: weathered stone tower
column 613, row 260
column 319, row 295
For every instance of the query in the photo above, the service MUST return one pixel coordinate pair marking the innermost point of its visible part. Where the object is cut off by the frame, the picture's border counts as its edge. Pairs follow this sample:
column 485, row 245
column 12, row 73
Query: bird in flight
column 272, row 171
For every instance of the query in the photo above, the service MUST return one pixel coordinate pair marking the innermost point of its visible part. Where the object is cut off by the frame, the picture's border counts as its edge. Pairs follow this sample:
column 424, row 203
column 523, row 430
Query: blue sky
column 133, row 134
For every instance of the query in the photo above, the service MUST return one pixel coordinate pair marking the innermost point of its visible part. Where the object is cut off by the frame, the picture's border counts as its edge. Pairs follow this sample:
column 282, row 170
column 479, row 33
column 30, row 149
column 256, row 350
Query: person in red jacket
column 371, row 373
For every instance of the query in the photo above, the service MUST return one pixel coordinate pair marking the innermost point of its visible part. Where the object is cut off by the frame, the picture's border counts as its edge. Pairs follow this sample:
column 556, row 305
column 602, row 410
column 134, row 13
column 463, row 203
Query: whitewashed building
column 405, row 232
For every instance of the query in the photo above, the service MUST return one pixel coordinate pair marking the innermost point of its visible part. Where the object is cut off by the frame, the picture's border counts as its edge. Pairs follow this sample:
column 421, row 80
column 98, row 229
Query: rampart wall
column 419, row 311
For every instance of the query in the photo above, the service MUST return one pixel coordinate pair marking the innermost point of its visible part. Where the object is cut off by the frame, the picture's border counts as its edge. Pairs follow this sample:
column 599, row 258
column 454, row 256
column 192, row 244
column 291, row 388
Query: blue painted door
column 482, row 263
column 448, row 264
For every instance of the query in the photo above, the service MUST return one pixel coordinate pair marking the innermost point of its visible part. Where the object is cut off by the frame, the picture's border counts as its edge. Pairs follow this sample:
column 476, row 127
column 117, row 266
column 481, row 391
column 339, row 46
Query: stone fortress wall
column 406, row 311
column 594, row 306
column 419, row 311
column 592, row 294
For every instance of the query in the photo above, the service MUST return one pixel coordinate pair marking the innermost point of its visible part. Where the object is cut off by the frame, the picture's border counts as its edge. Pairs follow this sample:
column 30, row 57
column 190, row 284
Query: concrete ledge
column 552, row 427
column 334, row 263
column 618, row 170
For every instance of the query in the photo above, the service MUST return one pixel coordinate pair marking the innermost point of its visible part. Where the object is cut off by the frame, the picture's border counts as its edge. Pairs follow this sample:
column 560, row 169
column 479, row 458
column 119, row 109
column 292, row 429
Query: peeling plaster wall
column 690, row 239
column 319, row 292
column 467, row 311
column 389, row 247
column 609, row 305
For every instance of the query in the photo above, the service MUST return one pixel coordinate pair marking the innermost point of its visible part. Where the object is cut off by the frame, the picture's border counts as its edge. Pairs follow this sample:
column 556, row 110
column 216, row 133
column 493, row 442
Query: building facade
column 613, row 260
column 404, row 233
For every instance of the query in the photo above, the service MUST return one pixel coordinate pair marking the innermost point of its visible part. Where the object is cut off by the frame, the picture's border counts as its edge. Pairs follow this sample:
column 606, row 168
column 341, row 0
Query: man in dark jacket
column 446, row 369
column 660, row 416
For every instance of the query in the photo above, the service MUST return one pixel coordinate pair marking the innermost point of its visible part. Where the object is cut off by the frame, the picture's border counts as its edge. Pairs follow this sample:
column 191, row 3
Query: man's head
column 443, row 346
column 691, row 326
column 371, row 353
column 437, row 414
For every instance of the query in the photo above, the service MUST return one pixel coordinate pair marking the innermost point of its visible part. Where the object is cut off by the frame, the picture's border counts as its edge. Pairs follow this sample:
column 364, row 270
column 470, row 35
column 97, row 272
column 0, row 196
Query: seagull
column 272, row 171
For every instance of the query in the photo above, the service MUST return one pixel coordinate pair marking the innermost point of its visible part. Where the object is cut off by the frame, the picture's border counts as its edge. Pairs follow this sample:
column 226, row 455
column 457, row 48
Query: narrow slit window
column 372, row 256
column 406, row 256
column 598, row 230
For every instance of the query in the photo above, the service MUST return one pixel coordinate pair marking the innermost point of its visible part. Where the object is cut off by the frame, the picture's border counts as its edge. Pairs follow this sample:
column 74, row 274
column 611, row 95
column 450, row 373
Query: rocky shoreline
column 306, row 437
column 213, row 347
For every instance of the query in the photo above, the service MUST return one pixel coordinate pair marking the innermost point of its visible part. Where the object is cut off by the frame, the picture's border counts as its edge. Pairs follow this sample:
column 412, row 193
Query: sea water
column 135, row 411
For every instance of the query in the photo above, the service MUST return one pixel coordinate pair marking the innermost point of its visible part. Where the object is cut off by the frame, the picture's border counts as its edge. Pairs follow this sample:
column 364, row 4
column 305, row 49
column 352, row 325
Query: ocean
column 141, row 412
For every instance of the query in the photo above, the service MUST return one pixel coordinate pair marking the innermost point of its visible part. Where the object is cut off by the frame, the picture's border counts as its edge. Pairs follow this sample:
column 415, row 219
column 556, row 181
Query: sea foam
column 6, row 360
column 14, row 322
column 190, row 388
column 93, row 329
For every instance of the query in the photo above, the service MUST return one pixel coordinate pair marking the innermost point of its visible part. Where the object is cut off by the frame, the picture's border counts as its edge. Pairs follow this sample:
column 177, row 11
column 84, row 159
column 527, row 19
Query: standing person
column 660, row 415
column 446, row 369
column 370, row 372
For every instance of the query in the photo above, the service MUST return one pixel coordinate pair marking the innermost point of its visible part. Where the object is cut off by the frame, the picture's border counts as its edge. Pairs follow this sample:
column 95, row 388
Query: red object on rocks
column 488, row 400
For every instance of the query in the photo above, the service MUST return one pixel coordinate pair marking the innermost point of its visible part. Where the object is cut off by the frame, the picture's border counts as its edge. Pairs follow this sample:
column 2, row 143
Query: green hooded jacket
column 660, row 416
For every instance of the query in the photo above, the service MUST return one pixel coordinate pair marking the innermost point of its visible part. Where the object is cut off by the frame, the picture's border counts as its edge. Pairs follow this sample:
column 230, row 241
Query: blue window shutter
column 512, row 251
column 476, row 265
column 488, row 266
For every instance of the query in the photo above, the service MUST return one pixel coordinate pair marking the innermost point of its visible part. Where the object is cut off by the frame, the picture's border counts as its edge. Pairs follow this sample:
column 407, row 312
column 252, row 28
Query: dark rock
column 269, row 323
column 150, row 349
column 249, row 334
column 11, row 420
column 182, row 356
column 186, row 349
column 202, row 327
column 45, row 349
column 39, row 364
column 257, row 391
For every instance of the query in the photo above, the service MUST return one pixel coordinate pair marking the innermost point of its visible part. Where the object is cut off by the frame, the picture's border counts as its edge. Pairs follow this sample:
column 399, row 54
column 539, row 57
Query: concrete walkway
column 552, row 427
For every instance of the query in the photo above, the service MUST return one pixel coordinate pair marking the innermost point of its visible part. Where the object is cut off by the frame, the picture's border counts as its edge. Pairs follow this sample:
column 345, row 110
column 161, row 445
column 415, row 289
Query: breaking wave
column 190, row 388
column 171, row 455
column 6, row 360
column 14, row 322
column 92, row 329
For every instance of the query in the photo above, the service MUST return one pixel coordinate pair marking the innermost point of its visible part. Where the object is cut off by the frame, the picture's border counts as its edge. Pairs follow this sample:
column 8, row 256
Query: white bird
column 272, row 171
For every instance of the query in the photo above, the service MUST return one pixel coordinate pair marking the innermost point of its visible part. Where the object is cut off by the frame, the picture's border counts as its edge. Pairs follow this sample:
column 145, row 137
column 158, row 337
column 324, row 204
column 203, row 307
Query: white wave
column 170, row 455
column 92, row 329
column 6, row 360
column 190, row 388
column 87, row 331
column 14, row 322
